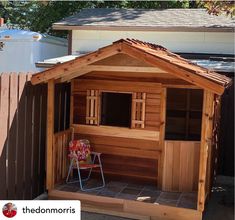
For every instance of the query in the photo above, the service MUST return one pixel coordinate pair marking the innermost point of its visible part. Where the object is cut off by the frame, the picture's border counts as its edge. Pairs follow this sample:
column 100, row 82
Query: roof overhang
column 224, row 64
column 48, row 63
column 156, row 56
column 58, row 26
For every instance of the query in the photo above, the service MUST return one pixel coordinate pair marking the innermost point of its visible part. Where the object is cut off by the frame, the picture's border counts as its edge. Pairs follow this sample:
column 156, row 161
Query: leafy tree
column 219, row 7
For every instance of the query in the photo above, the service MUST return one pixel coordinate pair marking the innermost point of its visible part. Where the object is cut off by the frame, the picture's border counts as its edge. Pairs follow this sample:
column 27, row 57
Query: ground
column 219, row 207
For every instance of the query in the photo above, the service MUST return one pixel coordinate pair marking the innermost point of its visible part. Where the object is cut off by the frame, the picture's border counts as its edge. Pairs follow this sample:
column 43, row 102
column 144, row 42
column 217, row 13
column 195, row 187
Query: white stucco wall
column 185, row 42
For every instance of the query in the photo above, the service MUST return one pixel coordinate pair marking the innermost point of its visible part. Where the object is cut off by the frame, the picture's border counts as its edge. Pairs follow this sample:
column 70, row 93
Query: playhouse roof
column 146, row 19
column 153, row 54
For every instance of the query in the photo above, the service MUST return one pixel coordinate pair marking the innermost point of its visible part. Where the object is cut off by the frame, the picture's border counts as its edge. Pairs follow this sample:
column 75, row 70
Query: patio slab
column 136, row 192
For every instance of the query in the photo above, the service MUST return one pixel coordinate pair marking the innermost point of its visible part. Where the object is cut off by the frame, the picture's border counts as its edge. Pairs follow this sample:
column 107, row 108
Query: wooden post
column 162, row 137
column 206, row 134
column 71, row 102
column 50, row 134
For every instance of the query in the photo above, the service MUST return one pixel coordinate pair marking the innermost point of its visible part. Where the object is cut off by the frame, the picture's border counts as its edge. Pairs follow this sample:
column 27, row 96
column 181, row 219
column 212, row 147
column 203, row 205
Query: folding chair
column 82, row 158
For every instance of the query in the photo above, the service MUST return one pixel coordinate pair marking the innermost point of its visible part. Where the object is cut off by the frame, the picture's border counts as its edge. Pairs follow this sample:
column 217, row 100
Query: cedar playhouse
column 152, row 114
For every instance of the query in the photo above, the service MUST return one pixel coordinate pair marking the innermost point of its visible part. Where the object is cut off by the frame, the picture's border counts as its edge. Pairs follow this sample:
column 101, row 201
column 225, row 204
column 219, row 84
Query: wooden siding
column 122, row 60
column 126, row 157
column 152, row 103
column 60, row 155
column 132, row 157
column 157, row 77
column 181, row 166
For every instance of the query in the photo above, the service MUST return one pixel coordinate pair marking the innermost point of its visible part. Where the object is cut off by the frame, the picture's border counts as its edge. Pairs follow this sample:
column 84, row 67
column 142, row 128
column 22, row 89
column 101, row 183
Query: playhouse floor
column 136, row 192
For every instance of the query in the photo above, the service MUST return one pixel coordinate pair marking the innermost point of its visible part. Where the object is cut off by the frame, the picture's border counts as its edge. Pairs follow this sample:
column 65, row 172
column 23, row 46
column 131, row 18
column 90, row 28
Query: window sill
column 116, row 132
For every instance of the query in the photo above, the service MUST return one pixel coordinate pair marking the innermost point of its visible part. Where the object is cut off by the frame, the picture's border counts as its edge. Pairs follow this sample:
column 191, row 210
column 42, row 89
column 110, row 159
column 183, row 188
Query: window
column 183, row 114
column 116, row 109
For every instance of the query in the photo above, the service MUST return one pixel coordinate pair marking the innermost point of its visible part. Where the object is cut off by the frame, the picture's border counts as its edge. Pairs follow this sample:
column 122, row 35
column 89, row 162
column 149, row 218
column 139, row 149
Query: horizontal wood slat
column 126, row 157
column 122, row 86
column 123, row 142
column 117, row 132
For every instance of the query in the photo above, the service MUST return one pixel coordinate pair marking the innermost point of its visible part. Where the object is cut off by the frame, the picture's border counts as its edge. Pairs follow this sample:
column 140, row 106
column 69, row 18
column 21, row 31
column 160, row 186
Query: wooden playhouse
column 152, row 114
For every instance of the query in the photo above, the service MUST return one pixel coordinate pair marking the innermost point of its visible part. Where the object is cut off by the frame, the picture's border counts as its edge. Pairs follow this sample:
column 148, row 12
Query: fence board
column 42, row 145
column 23, row 134
column 4, row 97
column 28, row 143
column 12, row 135
column 36, row 142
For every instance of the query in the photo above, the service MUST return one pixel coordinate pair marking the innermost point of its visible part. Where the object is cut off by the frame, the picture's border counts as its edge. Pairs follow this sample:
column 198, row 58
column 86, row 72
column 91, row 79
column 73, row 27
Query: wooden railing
column 60, row 152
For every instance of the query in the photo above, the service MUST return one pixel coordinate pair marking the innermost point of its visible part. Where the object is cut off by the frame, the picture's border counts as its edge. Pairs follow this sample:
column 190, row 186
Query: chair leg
column 101, row 171
column 79, row 176
column 69, row 171
column 90, row 170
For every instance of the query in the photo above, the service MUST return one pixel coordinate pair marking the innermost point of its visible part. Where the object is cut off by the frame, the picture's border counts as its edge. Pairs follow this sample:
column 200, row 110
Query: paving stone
column 170, row 195
column 131, row 191
column 126, row 196
column 148, row 196
column 135, row 186
column 188, row 200
column 187, row 204
column 110, row 191
column 150, row 188
column 166, row 202
column 117, row 183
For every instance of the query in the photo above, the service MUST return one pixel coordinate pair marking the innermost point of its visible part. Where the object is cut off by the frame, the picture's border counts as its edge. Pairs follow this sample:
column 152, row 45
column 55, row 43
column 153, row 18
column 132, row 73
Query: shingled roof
column 177, row 60
column 148, row 19
column 153, row 54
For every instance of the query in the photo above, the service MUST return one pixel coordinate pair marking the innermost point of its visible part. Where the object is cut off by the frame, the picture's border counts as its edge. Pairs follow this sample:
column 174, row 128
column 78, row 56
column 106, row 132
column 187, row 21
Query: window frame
column 100, row 107
column 187, row 111
column 135, row 124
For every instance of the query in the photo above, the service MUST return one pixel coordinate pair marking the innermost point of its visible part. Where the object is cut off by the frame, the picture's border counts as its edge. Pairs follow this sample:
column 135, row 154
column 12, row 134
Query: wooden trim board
column 113, row 86
column 127, row 208
column 116, row 132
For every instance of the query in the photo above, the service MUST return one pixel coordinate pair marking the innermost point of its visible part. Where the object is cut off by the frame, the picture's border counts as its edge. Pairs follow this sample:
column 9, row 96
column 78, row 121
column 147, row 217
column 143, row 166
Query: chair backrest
column 81, row 149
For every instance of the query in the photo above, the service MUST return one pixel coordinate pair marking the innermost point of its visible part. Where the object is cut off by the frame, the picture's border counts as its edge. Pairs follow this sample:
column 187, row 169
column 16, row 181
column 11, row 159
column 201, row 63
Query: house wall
column 125, row 155
column 184, row 42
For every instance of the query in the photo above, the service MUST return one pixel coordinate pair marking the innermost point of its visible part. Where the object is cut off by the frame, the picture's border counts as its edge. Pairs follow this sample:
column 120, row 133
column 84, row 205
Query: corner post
column 206, row 135
column 50, row 134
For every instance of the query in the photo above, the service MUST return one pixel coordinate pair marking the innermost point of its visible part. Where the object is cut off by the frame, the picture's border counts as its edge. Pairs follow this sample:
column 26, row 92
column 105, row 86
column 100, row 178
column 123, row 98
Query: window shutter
column 92, row 103
column 138, row 110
